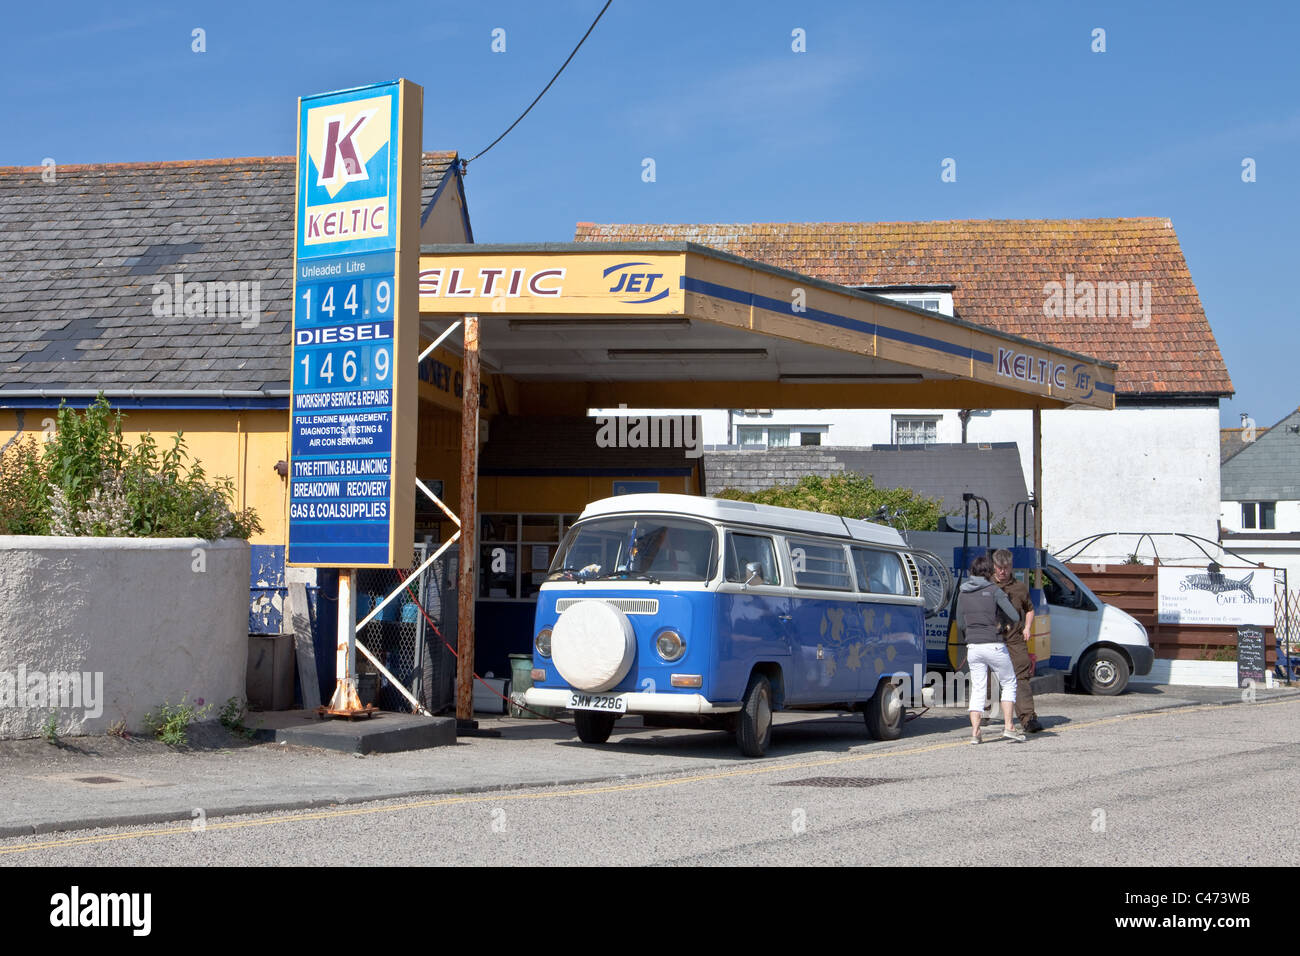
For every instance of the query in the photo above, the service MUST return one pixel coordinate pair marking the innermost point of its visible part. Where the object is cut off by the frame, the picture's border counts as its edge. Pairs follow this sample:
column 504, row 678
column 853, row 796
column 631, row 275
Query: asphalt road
column 1209, row 784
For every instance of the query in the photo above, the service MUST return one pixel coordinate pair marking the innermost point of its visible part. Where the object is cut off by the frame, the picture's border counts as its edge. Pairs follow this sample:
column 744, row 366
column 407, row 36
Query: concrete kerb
column 289, row 806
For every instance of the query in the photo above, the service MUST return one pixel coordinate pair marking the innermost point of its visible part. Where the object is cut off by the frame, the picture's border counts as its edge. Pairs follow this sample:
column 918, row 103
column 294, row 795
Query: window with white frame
column 1260, row 515
column 916, row 429
column 929, row 300
column 776, row 436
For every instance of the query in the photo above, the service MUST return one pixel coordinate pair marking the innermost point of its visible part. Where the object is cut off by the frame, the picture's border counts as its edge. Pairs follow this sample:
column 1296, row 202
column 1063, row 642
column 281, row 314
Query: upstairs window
column 910, row 430
column 930, row 298
column 1258, row 515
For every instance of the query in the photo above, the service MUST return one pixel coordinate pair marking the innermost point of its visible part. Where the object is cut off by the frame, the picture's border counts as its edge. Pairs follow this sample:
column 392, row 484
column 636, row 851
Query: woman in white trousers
column 977, row 623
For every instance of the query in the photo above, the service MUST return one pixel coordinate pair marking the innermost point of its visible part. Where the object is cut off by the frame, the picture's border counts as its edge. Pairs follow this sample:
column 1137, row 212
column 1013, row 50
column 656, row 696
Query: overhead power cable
column 464, row 163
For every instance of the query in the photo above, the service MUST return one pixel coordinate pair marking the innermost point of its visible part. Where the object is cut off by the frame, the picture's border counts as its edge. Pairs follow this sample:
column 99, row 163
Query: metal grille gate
column 401, row 638
column 1286, row 616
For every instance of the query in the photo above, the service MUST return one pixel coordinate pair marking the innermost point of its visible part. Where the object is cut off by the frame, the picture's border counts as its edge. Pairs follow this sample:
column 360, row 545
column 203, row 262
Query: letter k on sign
column 338, row 148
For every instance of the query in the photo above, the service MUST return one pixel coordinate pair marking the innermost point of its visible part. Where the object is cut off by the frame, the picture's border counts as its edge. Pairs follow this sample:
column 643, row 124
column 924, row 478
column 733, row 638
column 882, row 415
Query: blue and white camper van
column 716, row 613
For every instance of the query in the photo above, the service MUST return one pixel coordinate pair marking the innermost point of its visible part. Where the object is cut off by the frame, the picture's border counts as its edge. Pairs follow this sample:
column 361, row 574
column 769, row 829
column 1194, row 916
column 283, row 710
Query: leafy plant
column 118, row 729
column 171, row 723
column 849, row 495
column 88, row 480
column 50, row 729
column 24, row 492
column 232, row 717
column 1133, row 559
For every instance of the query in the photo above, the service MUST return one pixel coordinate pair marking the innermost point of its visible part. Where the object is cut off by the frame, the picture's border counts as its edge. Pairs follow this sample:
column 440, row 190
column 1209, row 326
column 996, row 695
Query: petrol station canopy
column 571, row 326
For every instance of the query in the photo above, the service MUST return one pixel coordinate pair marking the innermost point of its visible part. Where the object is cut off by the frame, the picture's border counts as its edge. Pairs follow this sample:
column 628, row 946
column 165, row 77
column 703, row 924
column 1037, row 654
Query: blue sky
column 741, row 128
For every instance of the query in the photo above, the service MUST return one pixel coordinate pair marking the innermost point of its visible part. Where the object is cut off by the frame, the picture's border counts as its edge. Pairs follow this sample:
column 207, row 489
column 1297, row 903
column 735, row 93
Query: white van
column 1096, row 645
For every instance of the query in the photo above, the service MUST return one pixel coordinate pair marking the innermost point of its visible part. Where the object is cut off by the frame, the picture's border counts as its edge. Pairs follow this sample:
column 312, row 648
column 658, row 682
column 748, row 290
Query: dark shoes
column 1033, row 726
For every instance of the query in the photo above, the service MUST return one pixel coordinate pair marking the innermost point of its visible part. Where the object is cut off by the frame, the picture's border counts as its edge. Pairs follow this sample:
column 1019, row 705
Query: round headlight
column 543, row 642
column 670, row 645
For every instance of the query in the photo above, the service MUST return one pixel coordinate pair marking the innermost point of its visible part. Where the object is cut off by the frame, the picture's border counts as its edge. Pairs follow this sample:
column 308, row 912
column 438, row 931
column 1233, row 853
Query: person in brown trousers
column 1017, row 645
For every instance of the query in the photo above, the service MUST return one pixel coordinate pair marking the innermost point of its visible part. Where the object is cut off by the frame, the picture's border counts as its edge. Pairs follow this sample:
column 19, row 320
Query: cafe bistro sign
column 1229, row 596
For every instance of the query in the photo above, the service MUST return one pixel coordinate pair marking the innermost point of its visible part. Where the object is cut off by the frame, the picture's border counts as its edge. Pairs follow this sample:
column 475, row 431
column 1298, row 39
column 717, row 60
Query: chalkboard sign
column 1250, row 655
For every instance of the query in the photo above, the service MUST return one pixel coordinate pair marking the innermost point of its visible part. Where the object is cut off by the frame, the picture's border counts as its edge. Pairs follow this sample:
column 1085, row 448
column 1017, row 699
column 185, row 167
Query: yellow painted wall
column 245, row 445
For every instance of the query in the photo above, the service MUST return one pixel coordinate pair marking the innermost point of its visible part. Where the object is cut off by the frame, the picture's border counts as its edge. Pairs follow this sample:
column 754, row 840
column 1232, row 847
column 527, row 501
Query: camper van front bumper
column 637, row 703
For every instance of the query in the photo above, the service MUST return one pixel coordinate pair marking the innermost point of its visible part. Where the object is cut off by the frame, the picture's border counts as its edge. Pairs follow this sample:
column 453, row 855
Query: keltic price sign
column 355, row 328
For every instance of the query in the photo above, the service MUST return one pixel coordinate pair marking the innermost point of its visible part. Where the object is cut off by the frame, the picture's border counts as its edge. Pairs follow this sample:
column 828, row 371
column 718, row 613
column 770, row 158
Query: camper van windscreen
column 637, row 547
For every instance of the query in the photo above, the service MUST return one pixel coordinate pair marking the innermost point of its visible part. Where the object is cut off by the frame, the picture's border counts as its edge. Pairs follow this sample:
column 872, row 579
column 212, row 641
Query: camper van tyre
column 754, row 725
column 593, row 728
column 885, row 712
column 1104, row 672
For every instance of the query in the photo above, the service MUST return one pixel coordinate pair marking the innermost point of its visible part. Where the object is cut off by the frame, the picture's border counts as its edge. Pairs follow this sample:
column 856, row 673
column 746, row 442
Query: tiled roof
column 79, row 258
column 942, row 471
column 999, row 270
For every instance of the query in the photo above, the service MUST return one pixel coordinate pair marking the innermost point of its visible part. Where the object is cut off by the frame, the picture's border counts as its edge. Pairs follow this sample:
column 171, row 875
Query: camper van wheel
column 885, row 711
column 593, row 728
column 1103, row 672
column 754, row 723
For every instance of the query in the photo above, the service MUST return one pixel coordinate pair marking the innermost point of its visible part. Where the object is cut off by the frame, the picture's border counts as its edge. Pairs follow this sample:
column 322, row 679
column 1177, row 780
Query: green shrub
column 170, row 723
column 50, row 729
column 848, row 495
column 88, row 480
column 232, row 717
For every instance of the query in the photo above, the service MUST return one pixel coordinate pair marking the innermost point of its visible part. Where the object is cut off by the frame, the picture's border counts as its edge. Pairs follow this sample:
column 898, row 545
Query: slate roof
column 79, row 259
column 1230, row 441
column 942, row 471
column 998, row 270
column 1267, row 469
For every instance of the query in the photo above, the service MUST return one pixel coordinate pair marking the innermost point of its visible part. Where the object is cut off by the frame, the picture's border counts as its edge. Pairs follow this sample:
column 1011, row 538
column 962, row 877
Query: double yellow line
column 496, row 797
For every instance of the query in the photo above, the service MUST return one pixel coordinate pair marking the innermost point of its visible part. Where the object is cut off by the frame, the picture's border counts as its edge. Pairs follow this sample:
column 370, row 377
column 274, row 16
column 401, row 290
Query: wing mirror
column 753, row 570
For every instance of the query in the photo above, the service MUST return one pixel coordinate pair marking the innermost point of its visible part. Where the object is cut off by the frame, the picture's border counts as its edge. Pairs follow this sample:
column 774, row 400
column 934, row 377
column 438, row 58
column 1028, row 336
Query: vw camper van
column 709, row 612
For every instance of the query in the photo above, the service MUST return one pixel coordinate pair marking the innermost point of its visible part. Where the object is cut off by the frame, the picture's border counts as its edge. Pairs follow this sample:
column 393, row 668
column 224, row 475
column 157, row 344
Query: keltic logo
column 347, row 180
column 630, row 281
column 1030, row 368
column 340, row 153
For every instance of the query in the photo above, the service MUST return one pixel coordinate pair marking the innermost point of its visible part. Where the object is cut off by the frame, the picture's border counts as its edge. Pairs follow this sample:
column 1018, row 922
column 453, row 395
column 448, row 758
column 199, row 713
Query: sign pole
column 467, row 588
column 345, row 699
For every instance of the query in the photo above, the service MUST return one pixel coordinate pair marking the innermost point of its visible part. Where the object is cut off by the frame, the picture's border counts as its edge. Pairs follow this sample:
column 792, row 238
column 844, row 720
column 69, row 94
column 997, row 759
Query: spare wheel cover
column 592, row 645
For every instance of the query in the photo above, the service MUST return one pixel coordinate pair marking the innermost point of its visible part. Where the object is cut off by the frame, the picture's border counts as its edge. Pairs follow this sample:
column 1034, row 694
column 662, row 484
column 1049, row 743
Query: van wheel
column 1103, row 672
column 593, row 727
column 885, row 711
column 754, row 722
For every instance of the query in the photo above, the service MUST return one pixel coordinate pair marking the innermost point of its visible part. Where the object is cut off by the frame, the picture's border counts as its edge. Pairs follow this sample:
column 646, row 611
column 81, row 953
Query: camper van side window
column 880, row 572
column 745, row 549
column 819, row 565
